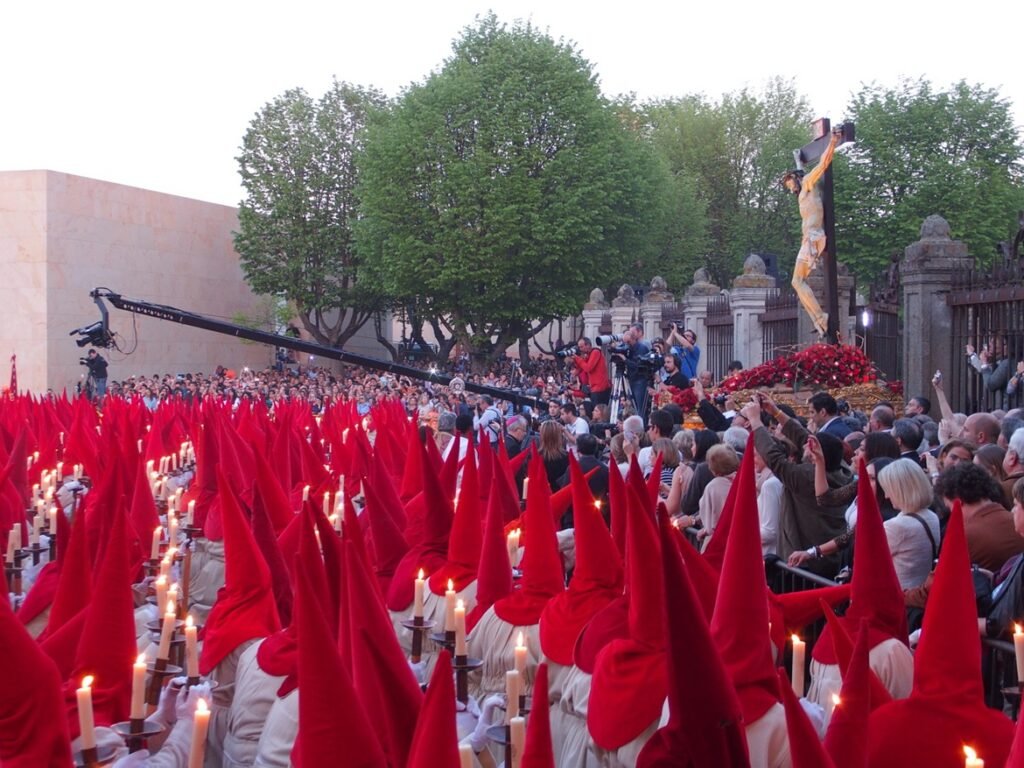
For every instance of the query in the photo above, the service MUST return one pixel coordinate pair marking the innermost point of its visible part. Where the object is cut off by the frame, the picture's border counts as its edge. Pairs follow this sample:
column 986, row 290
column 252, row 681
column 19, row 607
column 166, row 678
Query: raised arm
column 812, row 178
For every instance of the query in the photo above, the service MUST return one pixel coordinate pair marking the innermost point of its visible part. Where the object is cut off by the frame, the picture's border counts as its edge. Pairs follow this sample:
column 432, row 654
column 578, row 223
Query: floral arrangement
column 822, row 365
column 684, row 398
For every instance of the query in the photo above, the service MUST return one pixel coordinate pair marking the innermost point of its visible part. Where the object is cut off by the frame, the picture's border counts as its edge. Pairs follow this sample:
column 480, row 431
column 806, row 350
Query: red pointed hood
column 245, row 607
column 543, row 577
column 436, row 742
column 847, row 736
column 843, row 648
column 538, row 751
column 265, row 538
column 494, row 579
column 412, row 477
column 876, row 594
column 740, row 621
column 630, row 679
column 382, row 504
column 332, row 721
column 33, row 726
column 596, row 581
column 805, row 748
column 74, row 588
column 617, row 508
column 466, row 537
column 705, row 717
column 270, row 495
column 792, row 611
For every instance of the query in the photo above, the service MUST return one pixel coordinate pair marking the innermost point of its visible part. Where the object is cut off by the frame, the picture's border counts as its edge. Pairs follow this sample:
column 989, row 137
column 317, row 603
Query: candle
column 465, row 756
column 86, row 724
column 177, row 499
column 154, row 552
column 449, row 613
column 460, row 629
column 78, row 471
column 190, row 519
column 191, row 652
column 799, row 647
column 526, row 485
column 174, row 462
column 971, row 759
column 37, row 524
column 417, row 609
column 22, row 541
column 512, row 695
column 60, row 471
column 836, row 701
column 53, row 520
column 327, row 503
column 520, row 652
column 200, row 724
column 172, row 528
column 1018, row 647
column 12, row 545
column 517, row 730
column 149, row 469
column 138, row 710
column 305, row 493
column 166, row 630
column 335, row 521
column 513, row 547
column 35, row 491
column 161, row 594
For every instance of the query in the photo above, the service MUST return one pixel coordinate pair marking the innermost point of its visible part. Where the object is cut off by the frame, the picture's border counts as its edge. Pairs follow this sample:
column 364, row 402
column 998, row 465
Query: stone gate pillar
column 625, row 309
column 695, row 310
column 926, row 277
column 747, row 300
column 593, row 314
column 652, row 312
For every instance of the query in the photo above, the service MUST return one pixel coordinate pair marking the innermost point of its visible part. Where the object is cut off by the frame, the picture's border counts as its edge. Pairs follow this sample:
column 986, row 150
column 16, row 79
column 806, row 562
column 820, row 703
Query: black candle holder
column 1012, row 693
column 502, row 734
column 462, row 666
column 135, row 732
column 419, row 626
column 94, row 757
column 158, row 670
column 444, row 639
column 37, row 550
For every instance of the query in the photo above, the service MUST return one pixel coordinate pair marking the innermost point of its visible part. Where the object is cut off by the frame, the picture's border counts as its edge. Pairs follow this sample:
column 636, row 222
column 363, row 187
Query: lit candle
column 460, row 628
column 60, row 471
column 177, row 499
column 327, row 503
column 971, row 759
column 513, row 547
column 191, row 651
column 86, row 724
column 517, row 730
column 138, row 711
column 520, row 652
column 526, row 485
column 200, row 724
column 335, row 521
column 172, row 527
column 78, row 471
column 190, row 519
column 12, row 545
column 449, row 614
column 799, row 647
column 149, row 469
column 166, row 630
column 465, row 756
column 35, row 491
column 161, row 594
column 53, row 520
column 37, row 524
column 154, row 552
column 1018, row 647
column 417, row 606
column 20, row 528
column 512, row 695
column 305, row 493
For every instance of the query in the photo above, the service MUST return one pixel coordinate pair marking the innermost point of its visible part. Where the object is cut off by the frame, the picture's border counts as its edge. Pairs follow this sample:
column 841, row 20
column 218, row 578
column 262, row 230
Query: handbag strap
column 931, row 537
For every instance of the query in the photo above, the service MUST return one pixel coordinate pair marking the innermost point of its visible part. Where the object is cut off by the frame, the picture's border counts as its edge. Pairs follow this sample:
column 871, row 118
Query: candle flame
column 161, row 579
column 1017, row 629
column 597, row 503
column 188, row 621
column 796, row 638
column 451, row 585
column 519, row 641
column 87, row 681
column 421, row 575
column 201, row 706
column 170, row 607
column 835, row 700
column 969, row 753
column 459, row 605
column 141, row 659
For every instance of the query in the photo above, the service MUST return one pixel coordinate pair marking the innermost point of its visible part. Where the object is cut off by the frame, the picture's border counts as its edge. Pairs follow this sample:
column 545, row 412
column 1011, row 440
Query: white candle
column 37, row 524
column 12, row 545
column 154, row 551
column 138, row 710
column 460, row 628
column 971, row 759
column 22, row 540
column 517, row 730
column 465, row 756
column 200, row 724
column 526, row 486
column 513, row 547
column 78, row 471
column 305, row 493
column 512, row 695
column 449, row 613
column 799, row 648
column 35, row 491
column 327, row 503
column 190, row 519
column 149, row 469
column 172, row 528
column 161, row 594
column 520, row 654
column 166, row 630
column 1018, row 647
column 86, row 724
column 417, row 608
column 53, row 520
column 191, row 649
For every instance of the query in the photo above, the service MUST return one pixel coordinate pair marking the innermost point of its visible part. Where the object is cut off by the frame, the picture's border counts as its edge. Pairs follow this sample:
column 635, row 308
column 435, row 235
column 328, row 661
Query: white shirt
column 578, row 427
column 910, row 547
column 769, row 508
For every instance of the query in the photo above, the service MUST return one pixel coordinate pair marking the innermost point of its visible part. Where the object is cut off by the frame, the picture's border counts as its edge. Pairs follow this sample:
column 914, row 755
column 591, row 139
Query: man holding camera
column 593, row 372
column 636, row 350
column 97, row 366
column 489, row 418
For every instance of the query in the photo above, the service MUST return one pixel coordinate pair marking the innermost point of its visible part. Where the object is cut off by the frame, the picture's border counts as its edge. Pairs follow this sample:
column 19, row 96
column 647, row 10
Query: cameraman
column 684, row 344
column 636, row 349
column 593, row 372
column 97, row 366
column 487, row 417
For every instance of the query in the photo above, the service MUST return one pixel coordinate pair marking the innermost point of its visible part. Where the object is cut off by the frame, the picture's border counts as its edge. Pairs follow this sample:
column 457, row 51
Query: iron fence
column 719, row 345
column 779, row 323
column 880, row 327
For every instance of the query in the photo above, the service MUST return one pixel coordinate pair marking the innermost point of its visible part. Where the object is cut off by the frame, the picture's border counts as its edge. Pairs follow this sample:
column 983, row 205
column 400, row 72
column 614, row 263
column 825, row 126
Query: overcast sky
column 158, row 95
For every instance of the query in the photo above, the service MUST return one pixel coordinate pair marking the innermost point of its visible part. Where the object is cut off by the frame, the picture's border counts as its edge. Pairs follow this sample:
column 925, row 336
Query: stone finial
column 658, row 291
column 755, row 274
column 702, row 285
column 626, row 297
column 935, row 228
column 596, row 300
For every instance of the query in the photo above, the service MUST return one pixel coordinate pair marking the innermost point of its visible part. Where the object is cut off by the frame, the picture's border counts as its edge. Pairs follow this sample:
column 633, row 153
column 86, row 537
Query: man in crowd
column 881, row 419
column 574, row 425
column 908, row 435
column 97, row 366
column 593, row 371
column 825, row 414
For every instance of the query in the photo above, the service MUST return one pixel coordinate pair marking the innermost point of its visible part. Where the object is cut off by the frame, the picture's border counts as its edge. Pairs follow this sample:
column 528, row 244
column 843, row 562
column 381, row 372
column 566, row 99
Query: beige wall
column 62, row 235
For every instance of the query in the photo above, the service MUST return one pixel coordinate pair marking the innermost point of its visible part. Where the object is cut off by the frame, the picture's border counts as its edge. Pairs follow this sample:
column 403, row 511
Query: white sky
column 158, row 95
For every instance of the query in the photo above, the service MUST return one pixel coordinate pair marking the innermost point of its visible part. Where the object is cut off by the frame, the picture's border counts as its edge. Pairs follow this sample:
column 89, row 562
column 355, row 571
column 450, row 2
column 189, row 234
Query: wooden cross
column 821, row 130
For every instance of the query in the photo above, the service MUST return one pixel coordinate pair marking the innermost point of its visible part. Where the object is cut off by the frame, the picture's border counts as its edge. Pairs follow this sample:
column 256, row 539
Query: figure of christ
column 814, row 242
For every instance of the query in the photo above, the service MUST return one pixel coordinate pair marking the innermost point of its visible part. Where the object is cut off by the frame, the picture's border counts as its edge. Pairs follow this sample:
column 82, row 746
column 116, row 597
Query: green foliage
column 298, row 169
column 503, row 188
column 731, row 153
column 921, row 151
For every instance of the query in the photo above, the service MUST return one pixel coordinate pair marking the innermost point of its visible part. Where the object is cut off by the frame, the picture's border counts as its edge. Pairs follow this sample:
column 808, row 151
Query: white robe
column 768, row 740
column 278, row 737
column 255, row 694
column 493, row 641
column 223, row 694
column 574, row 739
column 891, row 660
column 206, row 576
column 434, row 607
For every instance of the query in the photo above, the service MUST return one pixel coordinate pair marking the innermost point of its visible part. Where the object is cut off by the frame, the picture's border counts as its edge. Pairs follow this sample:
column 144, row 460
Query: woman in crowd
column 913, row 534
column 552, row 451
column 1008, row 596
column 723, row 463
column 665, row 448
column 990, row 458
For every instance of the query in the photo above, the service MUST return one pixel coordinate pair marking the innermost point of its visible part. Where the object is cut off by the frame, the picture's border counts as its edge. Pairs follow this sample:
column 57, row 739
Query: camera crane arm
column 175, row 315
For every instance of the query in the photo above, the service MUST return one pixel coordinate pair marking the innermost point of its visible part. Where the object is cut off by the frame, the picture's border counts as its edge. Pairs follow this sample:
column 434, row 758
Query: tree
column 733, row 152
column 921, row 151
column 295, row 225
column 502, row 189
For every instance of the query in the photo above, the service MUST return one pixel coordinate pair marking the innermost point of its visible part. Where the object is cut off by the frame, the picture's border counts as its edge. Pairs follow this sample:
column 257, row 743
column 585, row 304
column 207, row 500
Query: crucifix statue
column 814, row 193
